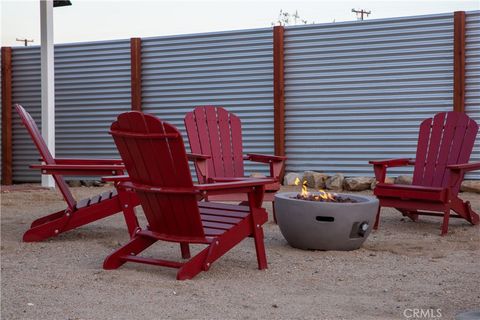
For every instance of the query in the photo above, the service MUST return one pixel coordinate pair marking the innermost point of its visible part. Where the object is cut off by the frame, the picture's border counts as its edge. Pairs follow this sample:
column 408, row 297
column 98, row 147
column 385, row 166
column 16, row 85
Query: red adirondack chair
column 155, row 158
column 84, row 211
column 444, row 147
column 216, row 132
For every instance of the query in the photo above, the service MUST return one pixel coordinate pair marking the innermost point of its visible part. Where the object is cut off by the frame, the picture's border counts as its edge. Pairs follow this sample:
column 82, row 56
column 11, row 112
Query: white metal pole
column 48, row 81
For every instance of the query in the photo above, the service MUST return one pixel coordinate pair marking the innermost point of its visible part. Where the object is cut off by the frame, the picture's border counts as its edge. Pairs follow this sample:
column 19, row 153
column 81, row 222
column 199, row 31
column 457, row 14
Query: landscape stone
column 403, row 180
column 470, row 186
column 74, row 183
column 335, row 182
column 358, row 183
column 314, row 179
column 88, row 183
column 289, row 179
column 387, row 180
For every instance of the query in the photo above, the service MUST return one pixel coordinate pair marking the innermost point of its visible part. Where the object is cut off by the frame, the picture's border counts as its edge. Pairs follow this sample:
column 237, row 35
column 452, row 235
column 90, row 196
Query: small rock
column 335, row 182
column 74, row 183
column 403, row 180
column 275, row 305
column 88, row 183
column 357, row 183
column 387, row 180
column 30, row 304
column 314, row 179
column 470, row 186
column 290, row 178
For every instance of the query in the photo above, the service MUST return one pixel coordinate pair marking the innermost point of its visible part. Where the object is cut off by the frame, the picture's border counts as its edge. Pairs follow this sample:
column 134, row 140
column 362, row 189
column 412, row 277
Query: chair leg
column 127, row 203
column 446, row 217
column 46, row 230
column 194, row 266
column 464, row 209
column 130, row 219
column 133, row 247
column 377, row 219
column 260, row 247
column 50, row 217
column 185, row 249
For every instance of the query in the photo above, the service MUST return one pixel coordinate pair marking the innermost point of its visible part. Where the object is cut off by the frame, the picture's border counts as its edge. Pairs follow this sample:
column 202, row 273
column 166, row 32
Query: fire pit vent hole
column 325, row 219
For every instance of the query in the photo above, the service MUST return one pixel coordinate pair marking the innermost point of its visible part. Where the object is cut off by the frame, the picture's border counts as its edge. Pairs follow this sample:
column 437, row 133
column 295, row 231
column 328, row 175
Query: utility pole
column 360, row 13
column 25, row 41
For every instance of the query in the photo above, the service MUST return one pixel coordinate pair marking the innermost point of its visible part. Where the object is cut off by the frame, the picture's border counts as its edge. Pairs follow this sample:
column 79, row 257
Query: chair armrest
column 121, row 178
column 232, row 179
column 380, row 166
column 265, row 158
column 201, row 165
column 79, row 170
column 243, row 186
column 393, row 162
column 87, row 161
column 276, row 163
column 196, row 156
column 466, row 167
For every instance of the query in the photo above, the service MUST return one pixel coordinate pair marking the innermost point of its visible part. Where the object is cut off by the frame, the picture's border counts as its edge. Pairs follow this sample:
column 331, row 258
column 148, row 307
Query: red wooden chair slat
column 214, row 139
column 422, row 147
column 445, row 144
column 77, row 213
column 433, row 147
column 192, row 132
column 215, row 132
column 155, row 158
column 224, row 136
column 236, row 136
column 204, row 146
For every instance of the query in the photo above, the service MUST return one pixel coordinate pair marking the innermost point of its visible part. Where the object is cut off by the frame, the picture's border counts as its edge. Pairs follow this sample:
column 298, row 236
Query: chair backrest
column 216, row 132
column 445, row 139
column 154, row 156
column 45, row 154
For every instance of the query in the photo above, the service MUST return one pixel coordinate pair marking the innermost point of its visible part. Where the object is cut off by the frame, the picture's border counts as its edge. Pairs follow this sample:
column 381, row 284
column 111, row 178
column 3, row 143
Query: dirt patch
column 403, row 265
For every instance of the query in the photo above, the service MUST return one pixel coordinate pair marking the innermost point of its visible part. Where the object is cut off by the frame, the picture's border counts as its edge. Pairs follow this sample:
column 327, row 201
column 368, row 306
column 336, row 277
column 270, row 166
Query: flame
column 305, row 192
column 325, row 195
column 322, row 194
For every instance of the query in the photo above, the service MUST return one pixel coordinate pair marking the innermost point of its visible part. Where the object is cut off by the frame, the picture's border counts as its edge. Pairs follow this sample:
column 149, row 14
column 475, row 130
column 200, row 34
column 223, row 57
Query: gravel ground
column 404, row 265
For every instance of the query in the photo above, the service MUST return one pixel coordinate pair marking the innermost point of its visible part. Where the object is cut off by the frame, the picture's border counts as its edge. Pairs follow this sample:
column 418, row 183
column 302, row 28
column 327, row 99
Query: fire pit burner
column 312, row 196
column 340, row 222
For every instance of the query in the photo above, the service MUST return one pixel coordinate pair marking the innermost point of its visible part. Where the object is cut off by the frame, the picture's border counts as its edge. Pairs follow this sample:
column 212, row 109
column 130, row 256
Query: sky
column 88, row 20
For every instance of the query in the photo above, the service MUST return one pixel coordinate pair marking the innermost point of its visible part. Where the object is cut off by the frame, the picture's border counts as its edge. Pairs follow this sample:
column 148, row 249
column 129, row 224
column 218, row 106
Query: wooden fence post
column 278, row 91
column 136, row 72
column 459, row 61
column 7, row 169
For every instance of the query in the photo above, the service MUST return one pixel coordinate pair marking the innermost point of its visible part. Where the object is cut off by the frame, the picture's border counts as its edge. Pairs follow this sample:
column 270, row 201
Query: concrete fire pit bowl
column 325, row 225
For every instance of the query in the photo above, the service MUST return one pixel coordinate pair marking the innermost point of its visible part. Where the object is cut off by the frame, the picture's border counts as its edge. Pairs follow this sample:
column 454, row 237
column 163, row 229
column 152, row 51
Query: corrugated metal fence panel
column 231, row 69
column 26, row 90
column 92, row 86
column 472, row 101
column 357, row 91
